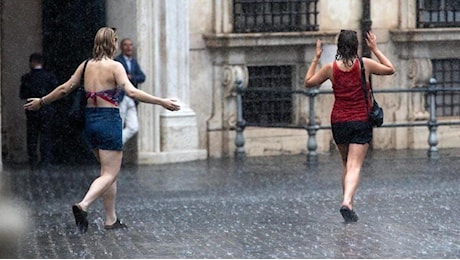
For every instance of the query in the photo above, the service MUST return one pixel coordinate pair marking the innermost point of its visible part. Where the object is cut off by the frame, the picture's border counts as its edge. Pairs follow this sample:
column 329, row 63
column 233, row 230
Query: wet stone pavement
column 263, row 207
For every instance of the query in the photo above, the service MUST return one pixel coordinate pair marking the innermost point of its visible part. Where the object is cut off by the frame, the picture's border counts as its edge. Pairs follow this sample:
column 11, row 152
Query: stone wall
column 21, row 35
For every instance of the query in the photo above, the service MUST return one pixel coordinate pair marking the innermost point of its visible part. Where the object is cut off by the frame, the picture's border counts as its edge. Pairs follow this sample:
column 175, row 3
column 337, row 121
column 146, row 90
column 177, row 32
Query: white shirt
column 128, row 62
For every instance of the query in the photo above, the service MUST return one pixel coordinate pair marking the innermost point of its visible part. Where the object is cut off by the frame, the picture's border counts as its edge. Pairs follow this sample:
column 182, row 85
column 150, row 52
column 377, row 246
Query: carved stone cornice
column 233, row 73
column 238, row 40
column 425, row 35
column 419, row 72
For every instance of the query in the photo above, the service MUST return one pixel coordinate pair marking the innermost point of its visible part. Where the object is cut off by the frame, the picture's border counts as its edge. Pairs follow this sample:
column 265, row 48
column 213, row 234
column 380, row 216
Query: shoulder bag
column 375, row 115
column 78, row 106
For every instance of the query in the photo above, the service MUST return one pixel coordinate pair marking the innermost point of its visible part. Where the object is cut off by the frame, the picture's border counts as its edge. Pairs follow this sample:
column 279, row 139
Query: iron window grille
column 447, row 74
column 252, row 16
column 438, row 13
column 268, row 97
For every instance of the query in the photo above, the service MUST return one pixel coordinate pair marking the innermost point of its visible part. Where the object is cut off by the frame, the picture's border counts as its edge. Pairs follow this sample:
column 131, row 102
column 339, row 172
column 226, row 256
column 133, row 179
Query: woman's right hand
column 33, row 104
column 319, row 49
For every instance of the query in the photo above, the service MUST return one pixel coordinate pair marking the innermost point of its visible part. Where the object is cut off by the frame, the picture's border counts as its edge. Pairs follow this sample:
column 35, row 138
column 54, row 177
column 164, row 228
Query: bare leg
column 109, row 197
column 350, row 179
column 110, row 167
column 343, row 149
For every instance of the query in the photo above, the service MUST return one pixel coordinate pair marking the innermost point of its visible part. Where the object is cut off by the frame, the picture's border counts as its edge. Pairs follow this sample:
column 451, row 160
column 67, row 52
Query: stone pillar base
column 178, row 139
column 179, row 130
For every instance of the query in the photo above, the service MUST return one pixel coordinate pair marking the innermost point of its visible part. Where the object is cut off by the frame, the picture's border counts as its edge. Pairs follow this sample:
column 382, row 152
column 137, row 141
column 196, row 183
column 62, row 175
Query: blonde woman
column 103, row 80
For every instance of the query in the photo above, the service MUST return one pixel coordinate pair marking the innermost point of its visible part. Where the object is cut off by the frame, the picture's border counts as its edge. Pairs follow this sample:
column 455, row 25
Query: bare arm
column 139, row 95
column 58, row 93
column 313, row 79
column 385, row 67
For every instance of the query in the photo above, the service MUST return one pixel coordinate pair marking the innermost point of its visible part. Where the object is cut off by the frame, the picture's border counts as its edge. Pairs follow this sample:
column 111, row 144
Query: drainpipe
column 366, row 25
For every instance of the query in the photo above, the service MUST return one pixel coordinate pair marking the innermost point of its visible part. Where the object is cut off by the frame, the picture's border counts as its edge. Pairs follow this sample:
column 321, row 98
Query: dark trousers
column 39, row 133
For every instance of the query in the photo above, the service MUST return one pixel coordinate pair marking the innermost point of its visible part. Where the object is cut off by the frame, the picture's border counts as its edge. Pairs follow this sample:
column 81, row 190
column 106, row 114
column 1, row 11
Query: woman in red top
column 350, row 127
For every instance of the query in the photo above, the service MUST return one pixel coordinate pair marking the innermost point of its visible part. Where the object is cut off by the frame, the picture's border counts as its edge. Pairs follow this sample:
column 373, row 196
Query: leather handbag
column 375, row 115
column 78, row 105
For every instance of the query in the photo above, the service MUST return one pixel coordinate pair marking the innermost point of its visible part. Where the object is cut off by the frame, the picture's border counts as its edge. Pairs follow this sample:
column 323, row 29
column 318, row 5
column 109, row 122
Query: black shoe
column 117, row 225
column 80, row 218
column 348, row 214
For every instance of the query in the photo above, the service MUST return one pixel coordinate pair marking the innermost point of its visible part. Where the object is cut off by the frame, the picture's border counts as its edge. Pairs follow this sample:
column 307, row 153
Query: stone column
column 166, row 136
column 420, row 70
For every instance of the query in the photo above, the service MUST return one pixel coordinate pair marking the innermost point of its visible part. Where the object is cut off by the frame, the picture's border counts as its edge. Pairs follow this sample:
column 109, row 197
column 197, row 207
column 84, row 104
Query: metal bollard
column 433, row 152
column 312, row 128
column 241, row 123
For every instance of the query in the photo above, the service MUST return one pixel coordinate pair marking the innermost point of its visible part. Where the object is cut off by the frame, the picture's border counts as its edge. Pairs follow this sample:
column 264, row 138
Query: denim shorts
column 352, row 132
column 103, row 128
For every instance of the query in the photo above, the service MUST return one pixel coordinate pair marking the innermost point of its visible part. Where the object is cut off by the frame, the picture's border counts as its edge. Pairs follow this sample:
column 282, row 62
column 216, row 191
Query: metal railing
column 312, row 127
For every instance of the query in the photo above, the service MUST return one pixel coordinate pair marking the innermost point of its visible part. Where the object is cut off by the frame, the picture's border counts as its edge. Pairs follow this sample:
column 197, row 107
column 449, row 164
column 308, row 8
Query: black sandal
column 348, row 214
column 81, row 219
column 117, row 225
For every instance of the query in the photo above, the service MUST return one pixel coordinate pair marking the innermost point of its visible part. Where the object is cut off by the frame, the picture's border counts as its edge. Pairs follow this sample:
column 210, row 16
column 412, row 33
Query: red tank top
column 349, row 103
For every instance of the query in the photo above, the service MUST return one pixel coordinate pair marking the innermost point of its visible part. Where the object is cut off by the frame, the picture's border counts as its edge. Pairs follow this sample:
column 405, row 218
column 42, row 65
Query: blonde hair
column 105, row 43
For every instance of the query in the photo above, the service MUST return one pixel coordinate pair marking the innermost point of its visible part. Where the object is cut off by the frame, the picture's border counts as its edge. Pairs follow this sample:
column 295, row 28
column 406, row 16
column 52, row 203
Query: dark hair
column 347, row 47
column 36, row 57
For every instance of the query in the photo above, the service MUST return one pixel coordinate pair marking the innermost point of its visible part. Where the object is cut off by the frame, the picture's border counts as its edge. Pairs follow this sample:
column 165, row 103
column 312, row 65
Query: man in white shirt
column 128, row 111
column 128, row 114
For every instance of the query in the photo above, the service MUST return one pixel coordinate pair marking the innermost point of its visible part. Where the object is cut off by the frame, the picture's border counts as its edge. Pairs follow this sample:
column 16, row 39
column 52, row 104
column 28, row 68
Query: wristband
column 43, row 102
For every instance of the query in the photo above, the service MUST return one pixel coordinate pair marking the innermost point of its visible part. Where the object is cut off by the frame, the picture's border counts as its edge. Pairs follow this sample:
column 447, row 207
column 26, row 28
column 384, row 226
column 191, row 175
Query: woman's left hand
column 32, row 104
column 170, row 104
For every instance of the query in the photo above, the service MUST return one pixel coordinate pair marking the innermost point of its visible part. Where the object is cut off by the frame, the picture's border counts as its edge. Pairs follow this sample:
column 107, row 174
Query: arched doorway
column 68, row 33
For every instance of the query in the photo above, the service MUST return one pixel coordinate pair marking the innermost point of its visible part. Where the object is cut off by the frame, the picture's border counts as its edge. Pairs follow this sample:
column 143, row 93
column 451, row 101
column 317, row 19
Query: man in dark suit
column 128, row 111
column 37, row 83
column 130, row 64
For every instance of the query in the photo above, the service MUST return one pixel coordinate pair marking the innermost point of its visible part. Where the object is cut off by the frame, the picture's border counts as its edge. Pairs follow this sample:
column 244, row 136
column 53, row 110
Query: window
column 267, row 99
column 274, row 15
column 438, row 13
column 447, row 74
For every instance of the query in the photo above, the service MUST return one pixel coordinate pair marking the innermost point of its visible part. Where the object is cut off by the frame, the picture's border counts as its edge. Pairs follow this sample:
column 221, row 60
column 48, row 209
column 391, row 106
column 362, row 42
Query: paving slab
column 259, row 207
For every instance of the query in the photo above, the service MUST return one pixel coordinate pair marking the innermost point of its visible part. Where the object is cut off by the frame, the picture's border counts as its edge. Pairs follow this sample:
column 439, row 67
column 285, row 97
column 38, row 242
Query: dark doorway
column 69, row 27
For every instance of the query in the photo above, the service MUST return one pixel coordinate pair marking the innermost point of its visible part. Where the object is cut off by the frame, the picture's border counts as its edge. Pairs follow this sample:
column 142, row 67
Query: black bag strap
column 363, row 80
column 82, row 78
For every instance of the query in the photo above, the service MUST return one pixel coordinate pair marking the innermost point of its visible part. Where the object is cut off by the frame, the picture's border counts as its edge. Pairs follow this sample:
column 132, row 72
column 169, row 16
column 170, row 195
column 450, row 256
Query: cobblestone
column 262, row 207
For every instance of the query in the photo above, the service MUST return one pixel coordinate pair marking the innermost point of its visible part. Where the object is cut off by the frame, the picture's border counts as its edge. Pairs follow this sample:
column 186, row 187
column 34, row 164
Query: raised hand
column 319, row 49
column 371, row 40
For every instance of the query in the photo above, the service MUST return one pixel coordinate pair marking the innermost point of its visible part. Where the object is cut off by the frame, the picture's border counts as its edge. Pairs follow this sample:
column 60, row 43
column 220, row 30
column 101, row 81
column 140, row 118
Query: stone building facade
column 192, row 50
